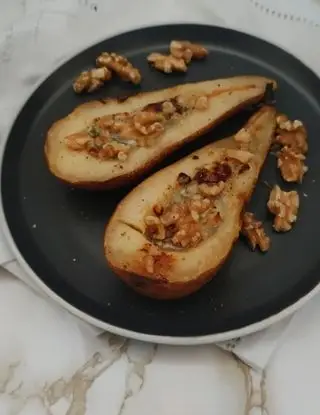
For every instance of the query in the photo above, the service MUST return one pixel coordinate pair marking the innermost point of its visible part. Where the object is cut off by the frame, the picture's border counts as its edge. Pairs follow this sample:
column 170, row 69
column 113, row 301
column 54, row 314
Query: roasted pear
column 110, row 143
column 173, row 232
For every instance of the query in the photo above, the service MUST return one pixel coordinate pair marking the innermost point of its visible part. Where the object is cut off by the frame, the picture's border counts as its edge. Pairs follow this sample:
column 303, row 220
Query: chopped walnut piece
column 284, row 205
column 195, row 215
column 292, row 136
column 192, row 101
column 213, row 218
column 189, row 236
column 290, row 125
column 243, row 136
column 296, row 139
column 108, row 151
column 291, row 165
column 154, row 228
column 253, row 230
column 77, row 141
column 169, row 218
column 201, row 103
column 167, row 63
column 212, row 191
column 191, row 190
column 120, row 65
column 90, row 81
column 149, row 123
column 122, row 156
column 186, row 50
column 192, row 215
column 168, row 108
column 281, row 119
column 200, row 206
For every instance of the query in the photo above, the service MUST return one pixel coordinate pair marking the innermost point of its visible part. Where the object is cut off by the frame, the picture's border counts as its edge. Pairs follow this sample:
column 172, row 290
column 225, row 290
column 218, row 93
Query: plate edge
column 167, row 340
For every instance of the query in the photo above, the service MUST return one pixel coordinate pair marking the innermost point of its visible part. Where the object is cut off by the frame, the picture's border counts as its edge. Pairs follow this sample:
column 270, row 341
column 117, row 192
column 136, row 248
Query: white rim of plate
column 167, row 340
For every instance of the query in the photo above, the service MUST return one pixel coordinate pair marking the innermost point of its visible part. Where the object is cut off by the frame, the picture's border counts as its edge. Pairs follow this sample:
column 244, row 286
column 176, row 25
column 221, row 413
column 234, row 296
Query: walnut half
column 291, row 165
column 181, row 53
column 285, row 206
column 120, row 65
column 292, row 136
column 253, row 230
column 90, row 81
column 167, row 63
column 183, row 49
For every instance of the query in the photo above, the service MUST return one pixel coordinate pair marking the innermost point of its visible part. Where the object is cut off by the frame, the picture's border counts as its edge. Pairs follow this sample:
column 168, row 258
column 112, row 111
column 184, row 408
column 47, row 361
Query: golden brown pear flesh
column 186, row 270
column 225, row 97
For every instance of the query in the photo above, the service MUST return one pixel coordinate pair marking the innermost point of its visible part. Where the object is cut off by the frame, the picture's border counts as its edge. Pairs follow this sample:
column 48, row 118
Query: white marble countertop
column 51, row 366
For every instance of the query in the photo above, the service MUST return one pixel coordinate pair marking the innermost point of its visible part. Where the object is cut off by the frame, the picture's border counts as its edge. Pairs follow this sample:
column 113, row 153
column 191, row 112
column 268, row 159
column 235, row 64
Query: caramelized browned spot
column 244, row 168
column 156, row 262
column 151, row 230
column 220, row 173
column 158, row 210
column 231, row 90
column 183, row 178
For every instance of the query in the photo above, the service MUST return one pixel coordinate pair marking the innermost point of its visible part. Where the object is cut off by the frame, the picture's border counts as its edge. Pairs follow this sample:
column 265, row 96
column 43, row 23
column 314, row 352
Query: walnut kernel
column 212, row 191
column 186, row 50
column 91, row 80
column 289, row 125
column 169, row 218
column 77, row 142
column 297, row 140
column 285, row 206
column 167, row 63
column 122, row 156
column 253, row 230
column 168, row 107
column 291, row 165
column 120, row 65
column 281, row 119
column 201, row 103
column 154, row 228
column 148, row 123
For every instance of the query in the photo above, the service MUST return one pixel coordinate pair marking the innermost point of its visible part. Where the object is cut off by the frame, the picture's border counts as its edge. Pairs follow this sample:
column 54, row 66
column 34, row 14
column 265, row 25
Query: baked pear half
column 106, row 144
column 173, row 232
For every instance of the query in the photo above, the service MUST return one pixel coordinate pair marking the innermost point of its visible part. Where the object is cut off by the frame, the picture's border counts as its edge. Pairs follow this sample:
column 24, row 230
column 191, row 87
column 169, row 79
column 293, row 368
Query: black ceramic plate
column 57, row 232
